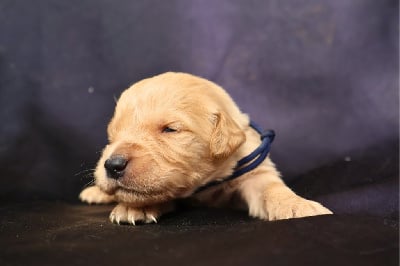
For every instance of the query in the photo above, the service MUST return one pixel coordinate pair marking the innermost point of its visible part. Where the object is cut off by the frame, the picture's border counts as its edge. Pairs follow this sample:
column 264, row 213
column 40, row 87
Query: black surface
column 61, row 234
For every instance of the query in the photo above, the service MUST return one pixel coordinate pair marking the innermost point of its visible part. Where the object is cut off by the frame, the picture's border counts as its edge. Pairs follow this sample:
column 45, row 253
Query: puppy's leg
column 269, row 198
column 123, row 213
column 282, row 203
column 94, row 195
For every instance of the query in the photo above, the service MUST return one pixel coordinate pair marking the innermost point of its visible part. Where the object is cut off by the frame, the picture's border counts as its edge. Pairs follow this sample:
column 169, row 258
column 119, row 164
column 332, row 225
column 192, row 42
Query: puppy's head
column 169, row 135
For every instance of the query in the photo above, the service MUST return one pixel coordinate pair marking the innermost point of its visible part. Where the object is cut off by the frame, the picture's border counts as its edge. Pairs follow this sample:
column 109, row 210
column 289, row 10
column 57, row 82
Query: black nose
column 115, row 166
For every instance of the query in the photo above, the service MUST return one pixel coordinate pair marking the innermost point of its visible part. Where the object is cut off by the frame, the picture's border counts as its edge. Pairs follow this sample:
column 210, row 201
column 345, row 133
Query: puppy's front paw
column 94, row 195
column 293, row 207
column 125, row 214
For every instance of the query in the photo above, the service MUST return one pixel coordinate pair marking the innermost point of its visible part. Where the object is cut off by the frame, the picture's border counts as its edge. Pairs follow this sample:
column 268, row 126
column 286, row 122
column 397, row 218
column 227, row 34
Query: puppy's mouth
column 118, row 187
column 125, row 188
column 135, row 191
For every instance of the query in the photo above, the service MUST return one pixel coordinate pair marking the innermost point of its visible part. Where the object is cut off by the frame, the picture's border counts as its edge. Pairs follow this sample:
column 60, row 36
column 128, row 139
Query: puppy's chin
column 140, row 199
column 138, row 196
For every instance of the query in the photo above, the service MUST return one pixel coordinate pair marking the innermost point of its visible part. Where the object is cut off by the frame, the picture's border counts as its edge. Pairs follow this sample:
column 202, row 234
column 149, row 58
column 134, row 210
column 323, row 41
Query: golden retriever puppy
column 175, row 133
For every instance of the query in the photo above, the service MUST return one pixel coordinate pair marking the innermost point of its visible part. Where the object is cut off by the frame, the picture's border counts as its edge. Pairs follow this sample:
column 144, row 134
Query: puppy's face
column 169, row 134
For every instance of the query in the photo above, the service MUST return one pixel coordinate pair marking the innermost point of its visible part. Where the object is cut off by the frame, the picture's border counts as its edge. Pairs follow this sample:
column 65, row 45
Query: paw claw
column 112, row 217
column 153, row 218
column 125, row 214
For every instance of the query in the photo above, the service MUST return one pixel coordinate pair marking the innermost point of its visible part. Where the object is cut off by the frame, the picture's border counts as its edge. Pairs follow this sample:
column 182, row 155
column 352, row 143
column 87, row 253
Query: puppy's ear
column 226, row 137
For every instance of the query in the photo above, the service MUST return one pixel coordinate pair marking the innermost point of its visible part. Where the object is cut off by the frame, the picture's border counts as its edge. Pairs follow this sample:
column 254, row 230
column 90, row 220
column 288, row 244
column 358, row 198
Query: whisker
column 91, row 182
column 89, row 175
column 84, row 171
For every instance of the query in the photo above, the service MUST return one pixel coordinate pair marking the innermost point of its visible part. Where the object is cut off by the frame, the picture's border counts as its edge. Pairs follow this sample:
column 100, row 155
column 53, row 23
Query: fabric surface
column 59, row 234
column 322, row 74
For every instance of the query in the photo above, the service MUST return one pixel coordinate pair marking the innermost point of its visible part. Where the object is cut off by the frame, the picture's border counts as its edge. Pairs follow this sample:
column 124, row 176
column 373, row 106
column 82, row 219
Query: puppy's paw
column 123, row 213
column 94, row 195
column 293, row 207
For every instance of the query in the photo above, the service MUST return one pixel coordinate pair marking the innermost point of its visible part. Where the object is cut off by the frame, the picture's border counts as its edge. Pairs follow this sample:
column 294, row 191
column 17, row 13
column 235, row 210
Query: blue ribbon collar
column 251, row 161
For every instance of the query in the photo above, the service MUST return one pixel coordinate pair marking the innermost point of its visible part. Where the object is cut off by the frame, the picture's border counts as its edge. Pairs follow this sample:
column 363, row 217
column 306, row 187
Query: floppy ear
column 226, row 137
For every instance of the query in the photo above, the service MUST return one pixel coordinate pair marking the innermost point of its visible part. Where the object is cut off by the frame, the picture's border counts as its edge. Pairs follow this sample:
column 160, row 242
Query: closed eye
column 168, row 130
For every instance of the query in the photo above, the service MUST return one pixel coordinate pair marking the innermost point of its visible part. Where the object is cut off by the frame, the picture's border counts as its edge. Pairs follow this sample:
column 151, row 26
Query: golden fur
column 211, row 135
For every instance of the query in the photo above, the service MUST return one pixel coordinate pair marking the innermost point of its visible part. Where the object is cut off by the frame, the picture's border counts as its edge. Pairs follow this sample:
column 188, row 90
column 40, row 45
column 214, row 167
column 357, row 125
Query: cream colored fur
column 212, row 134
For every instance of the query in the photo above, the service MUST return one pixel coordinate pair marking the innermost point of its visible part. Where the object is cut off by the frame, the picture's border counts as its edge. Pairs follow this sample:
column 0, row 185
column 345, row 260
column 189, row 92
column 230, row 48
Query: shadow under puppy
column 174, row 133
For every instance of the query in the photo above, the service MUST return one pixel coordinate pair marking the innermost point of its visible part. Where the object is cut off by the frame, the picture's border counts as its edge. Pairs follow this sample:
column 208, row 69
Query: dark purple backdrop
column 323, row 74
